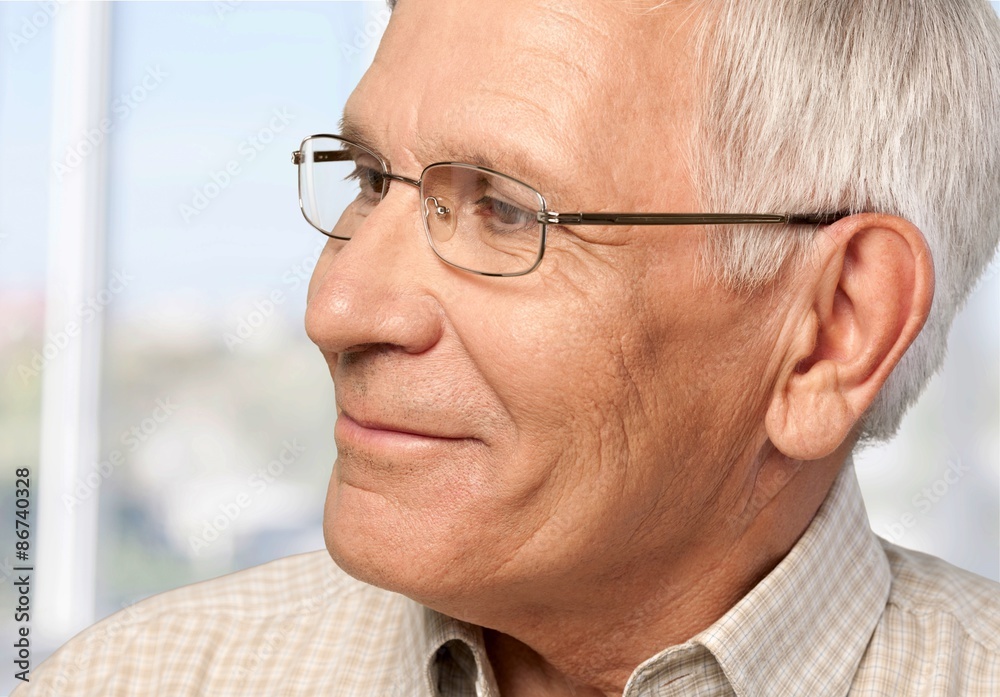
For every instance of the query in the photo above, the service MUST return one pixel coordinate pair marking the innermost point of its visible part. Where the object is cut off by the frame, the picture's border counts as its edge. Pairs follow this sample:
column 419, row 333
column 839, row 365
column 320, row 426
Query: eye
column 371, row 181
column 506, row 213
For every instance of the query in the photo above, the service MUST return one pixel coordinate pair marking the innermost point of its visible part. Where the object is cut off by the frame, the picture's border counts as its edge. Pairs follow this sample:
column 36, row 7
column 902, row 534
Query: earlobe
column 860, row 305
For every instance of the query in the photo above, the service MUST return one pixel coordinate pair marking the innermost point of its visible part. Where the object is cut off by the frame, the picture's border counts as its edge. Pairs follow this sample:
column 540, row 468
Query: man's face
column 501, row 438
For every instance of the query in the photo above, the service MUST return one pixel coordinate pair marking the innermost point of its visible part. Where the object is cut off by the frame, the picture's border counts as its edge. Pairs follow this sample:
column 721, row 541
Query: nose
column 375, row 289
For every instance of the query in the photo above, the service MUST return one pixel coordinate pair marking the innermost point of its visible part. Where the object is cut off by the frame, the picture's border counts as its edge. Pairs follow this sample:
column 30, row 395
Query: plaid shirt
column 843, row 614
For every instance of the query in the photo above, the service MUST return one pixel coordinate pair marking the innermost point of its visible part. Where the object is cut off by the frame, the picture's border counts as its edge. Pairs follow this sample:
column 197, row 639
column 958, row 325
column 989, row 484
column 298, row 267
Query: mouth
column 361, row 431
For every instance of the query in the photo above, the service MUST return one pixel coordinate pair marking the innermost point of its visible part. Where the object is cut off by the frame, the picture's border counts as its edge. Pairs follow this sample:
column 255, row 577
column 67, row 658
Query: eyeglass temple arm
column 552, row 218
column 298, row 157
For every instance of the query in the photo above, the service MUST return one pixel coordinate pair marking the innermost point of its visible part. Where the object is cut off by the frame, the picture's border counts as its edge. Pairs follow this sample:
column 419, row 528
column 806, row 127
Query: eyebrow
column 353, row 130
column 510, row 158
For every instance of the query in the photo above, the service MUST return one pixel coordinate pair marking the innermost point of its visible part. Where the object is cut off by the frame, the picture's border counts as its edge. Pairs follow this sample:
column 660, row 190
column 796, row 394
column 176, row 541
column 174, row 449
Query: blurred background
column 153, row 265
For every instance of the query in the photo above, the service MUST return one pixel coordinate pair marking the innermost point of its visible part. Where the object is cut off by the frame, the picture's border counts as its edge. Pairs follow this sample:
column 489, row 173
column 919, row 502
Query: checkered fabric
column 843, row 614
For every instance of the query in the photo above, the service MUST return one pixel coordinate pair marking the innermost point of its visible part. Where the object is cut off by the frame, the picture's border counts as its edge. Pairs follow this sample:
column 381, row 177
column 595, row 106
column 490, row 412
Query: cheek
column 598, row 415
column 610, row 383
column 558, row 369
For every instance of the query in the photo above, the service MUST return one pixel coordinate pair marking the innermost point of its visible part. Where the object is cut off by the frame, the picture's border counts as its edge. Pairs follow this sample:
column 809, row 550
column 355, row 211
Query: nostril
column 351, row 354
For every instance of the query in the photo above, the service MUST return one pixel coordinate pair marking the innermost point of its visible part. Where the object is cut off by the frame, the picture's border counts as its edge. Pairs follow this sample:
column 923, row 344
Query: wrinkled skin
column 561, row 455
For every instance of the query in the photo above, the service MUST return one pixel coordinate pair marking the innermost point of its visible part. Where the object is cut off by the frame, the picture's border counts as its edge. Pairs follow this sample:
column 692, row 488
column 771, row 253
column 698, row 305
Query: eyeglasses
column 475, row 219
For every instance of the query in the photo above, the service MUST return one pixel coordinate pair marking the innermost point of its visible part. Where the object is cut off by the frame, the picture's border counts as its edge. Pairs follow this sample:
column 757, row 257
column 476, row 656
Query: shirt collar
column 442, row 645
column 805, row 627
column 801, row 630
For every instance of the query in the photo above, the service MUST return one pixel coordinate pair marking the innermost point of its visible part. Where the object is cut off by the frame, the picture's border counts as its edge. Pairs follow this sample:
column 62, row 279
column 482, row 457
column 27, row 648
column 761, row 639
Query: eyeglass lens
column 475, row 219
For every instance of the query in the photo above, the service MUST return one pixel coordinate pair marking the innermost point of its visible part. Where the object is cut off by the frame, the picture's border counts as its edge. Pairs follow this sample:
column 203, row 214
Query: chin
column 356, row 529
column 375, row 540
column 370, row 538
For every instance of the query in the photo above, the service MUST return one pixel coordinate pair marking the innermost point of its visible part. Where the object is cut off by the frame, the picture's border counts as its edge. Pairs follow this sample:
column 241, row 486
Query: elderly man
column 611, row 293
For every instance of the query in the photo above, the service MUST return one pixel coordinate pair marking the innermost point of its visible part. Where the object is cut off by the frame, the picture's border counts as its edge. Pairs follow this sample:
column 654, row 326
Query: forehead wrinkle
column 560, row 136
column 508, row 155
column 580, row 38
column 570, row 18
column 510, row 145
column 610, row 98
column 547, row 56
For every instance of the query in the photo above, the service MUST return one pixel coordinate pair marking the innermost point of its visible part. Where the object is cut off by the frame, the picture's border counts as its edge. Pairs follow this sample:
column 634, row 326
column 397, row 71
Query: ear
column 857, row 310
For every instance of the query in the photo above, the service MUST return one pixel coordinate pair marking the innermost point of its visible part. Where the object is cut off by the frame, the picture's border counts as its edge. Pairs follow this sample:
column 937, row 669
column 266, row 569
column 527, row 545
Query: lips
column 358, row 425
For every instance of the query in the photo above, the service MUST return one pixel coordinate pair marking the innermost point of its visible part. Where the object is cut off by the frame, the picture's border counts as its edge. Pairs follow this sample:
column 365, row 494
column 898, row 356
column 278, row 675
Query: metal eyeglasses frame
column 548, row 217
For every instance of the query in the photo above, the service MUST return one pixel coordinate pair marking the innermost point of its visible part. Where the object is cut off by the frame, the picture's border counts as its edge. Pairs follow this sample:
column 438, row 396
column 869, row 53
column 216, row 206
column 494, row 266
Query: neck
column 591, row 644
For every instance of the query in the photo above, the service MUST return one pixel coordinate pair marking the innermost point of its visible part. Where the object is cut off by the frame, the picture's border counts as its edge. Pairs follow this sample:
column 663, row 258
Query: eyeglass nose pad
column 442, row 225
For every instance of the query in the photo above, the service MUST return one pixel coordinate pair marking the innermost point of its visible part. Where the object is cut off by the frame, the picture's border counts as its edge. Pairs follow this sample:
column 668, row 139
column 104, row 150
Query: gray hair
column 890, row 106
